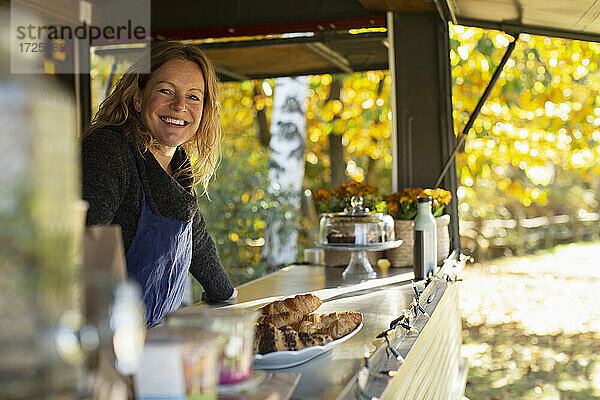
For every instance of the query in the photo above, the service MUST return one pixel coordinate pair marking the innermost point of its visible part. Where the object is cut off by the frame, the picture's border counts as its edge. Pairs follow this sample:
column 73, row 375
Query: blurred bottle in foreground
column 40, row 356
column 425, row 244
column 47, row 346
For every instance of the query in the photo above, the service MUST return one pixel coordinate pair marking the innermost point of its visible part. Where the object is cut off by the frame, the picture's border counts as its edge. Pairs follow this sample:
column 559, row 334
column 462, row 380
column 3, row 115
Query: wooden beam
column 399, row 6
column 331, row 56
column 233, row 30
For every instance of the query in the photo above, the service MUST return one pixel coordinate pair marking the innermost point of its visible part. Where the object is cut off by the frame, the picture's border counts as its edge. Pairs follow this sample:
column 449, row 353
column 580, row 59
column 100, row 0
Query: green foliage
column 237, row 210
column 364, row 123
column 100, row 72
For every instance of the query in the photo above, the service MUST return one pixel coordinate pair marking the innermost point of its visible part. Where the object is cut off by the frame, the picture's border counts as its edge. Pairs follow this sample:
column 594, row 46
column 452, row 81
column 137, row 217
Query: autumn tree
column 537, row 136
column 359, row 118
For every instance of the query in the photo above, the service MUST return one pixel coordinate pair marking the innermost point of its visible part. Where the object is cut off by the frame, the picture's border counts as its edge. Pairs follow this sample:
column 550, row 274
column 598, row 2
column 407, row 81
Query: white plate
column 285, row 359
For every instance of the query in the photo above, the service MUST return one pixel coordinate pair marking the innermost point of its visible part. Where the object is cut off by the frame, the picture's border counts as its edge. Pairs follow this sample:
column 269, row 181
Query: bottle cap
column 426, row 199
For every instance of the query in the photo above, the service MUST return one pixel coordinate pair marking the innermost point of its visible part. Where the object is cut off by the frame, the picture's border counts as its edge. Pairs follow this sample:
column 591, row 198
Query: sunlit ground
column 531, row 325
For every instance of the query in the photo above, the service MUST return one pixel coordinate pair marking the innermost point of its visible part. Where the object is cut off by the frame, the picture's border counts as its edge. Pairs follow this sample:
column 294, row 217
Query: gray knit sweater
column 111, row 186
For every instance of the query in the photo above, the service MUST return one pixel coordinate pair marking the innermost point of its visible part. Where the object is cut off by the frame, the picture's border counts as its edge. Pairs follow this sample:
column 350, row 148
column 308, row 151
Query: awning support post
column 421, row 92
column 477, row 110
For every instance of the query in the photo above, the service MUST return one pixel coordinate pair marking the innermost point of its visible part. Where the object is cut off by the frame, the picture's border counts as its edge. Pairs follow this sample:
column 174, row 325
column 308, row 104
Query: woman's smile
column 174, row 121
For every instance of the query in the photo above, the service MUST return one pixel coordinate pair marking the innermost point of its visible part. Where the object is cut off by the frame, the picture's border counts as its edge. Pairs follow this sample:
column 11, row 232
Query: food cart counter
column 432, row 366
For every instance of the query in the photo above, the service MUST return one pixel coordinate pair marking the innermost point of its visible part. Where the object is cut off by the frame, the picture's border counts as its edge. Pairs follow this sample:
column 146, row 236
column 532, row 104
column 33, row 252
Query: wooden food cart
column 410, row 38
column 419, row 363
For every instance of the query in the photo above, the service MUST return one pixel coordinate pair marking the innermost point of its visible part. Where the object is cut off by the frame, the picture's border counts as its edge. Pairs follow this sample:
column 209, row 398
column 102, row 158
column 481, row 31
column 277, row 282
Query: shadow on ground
column 531, row 325
column 507, row 364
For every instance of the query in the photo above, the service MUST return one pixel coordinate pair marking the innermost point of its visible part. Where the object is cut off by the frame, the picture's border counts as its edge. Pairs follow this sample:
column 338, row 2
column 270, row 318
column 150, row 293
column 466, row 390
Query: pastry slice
column 270, row 339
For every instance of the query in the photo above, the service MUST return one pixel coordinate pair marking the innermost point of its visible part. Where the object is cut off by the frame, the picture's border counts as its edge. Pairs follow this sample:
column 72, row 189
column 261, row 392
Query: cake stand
column 359, row 266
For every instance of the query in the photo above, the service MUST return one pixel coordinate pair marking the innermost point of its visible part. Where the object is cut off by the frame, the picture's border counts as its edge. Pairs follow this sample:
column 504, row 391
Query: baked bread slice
column 289, row 325
column 269, row 339
column 314, row 339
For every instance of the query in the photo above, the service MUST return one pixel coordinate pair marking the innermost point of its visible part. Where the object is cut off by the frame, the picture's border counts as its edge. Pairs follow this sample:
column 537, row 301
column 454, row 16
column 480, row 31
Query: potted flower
column 402, row 206
column 337, row 200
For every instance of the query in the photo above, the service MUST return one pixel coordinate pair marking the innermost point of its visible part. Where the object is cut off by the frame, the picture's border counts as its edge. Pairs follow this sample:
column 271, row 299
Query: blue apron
column 158, row 259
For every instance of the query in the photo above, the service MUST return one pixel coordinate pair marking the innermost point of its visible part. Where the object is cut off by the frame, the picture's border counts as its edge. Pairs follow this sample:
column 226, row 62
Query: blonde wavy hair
column 204, row 148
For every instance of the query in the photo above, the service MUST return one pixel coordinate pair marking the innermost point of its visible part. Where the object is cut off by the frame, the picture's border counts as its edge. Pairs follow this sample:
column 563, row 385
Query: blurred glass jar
column 237, row 327
column 179, row 363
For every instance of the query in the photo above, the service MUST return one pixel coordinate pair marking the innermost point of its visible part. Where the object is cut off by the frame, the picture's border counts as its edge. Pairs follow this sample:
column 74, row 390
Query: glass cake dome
column 356, row 226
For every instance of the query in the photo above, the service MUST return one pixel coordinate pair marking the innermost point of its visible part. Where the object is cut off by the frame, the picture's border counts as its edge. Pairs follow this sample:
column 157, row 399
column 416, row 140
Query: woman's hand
column 231, row 300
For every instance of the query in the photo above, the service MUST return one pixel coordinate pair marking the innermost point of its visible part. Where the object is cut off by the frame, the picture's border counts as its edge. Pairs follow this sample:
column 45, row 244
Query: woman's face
column 172, row 102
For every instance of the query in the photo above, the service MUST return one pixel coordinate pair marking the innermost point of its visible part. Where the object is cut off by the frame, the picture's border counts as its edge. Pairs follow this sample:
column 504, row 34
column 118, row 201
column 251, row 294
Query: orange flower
column 347, row 190
column 393, row 208
column 412, row 193
column 321, row 195
column 403, row 205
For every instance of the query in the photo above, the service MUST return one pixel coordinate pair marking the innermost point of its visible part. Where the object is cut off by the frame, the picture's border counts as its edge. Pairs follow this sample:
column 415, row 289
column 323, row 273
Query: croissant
column 303, row 303
column 279, row 320
column 350, row 316
column 306, row 327
column 310, row 323
column 334, row 324
column 314, row 318
column 345, row 324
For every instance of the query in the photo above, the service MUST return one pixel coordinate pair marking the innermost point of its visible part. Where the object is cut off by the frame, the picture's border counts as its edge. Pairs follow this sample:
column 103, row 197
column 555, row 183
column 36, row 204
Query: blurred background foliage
column 240, row 201
column 533, row 151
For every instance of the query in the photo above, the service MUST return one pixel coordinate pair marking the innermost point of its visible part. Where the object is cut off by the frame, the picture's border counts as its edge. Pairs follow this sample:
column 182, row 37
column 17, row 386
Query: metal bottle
column 425, row 239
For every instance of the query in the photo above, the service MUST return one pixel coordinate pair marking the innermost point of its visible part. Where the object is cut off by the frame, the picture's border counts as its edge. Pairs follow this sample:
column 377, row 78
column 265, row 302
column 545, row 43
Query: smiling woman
column 155, row 138
column 127, row 105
